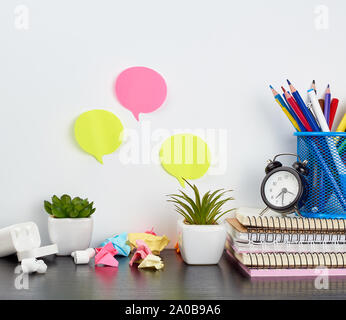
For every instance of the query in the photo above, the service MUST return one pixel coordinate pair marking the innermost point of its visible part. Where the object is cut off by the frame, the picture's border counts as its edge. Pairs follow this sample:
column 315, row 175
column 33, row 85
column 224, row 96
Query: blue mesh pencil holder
column 326, row 156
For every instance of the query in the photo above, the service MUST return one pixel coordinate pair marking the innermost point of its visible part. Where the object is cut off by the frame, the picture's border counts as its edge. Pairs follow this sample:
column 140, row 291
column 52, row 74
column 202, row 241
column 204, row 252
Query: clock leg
column 299, row 214
column 264, row 211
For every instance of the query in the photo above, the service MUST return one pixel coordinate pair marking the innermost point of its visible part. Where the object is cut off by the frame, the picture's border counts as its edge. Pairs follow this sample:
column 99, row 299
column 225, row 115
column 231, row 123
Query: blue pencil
column 283, row 102
column 309, row 117
column 327, row 99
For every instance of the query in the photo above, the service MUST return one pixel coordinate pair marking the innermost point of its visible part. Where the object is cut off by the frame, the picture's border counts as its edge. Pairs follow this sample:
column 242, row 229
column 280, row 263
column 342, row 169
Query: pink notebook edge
column 283, row 273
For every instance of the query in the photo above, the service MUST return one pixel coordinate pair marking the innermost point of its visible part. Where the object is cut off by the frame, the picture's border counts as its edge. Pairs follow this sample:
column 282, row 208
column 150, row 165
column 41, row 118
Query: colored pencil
column 318, row 112
column 284, row 108
column 342, row 125
column 319, row 181
column 321, row 102
column 327, row 99
column 333, row 108
column 301, row 126
column 307, row 114
column 278, row 97
column 296, row 109
column 342, row 147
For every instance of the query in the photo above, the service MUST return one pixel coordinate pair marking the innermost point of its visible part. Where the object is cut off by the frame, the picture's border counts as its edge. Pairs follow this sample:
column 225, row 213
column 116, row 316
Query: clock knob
column 272, row 165
column 301, row 168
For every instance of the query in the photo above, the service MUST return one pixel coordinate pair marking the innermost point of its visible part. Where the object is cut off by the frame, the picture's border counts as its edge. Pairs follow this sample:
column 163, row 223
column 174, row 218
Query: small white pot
column 70, row 234
column 201, row 244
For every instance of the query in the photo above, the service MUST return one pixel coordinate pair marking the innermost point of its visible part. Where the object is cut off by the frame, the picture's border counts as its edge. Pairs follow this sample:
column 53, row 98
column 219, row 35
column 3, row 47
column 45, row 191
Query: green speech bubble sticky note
column 185, row 156
column 98, row 132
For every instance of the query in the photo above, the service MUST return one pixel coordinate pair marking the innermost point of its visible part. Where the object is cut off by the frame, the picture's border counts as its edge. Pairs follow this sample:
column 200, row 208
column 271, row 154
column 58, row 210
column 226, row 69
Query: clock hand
column 290, row 192
column 278, row 195
column 283, row 195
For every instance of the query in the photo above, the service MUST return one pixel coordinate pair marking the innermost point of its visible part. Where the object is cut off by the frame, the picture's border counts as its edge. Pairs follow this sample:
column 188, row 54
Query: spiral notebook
column 241, row 233
column 281, row 272
column 262, row 246
column 250, row 218
column 292, row 260
column 254, row 247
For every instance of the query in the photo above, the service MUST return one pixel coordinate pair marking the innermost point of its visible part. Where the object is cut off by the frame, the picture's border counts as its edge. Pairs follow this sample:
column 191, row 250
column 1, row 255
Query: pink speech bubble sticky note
column 140, row 90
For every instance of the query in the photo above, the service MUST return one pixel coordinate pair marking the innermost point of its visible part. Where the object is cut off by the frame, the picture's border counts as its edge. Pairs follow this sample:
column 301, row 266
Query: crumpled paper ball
column 155, row 243
column 141, row 252
column 119, row 243
column 151, row 261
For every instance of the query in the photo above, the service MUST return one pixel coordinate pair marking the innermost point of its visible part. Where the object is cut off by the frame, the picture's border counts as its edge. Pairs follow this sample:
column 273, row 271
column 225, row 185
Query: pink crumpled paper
column 151, row 232
column 105, row 255
column 141, row 252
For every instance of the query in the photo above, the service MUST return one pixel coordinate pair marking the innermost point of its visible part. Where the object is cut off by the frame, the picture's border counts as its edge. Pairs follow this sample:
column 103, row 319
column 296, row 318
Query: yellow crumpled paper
column 151, row 261
column 155, row 243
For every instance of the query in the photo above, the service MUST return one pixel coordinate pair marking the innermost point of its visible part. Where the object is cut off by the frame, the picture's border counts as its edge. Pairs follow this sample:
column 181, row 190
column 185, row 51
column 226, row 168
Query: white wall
column 218, row 58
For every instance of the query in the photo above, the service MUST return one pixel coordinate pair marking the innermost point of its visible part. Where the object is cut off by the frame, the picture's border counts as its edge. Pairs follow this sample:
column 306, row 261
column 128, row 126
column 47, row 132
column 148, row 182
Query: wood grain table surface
column 65, row 280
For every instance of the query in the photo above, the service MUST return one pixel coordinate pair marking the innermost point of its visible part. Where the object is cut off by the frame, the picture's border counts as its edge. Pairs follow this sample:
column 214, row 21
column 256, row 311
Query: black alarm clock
column 284, row 189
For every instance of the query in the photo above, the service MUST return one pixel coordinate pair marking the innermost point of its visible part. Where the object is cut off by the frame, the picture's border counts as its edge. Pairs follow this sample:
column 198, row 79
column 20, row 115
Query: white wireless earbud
column 83, row 256
column 32, row 265
column 41, row 266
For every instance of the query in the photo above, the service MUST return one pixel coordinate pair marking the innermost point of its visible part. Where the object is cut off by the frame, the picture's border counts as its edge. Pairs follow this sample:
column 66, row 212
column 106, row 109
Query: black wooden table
column 65, row 280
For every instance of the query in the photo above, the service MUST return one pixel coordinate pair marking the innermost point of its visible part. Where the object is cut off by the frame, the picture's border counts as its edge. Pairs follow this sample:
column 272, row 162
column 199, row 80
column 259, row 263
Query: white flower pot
column 70, row 234
column 201, row 244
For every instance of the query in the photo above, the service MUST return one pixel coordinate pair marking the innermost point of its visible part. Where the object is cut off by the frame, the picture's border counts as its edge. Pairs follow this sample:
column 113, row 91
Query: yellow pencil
column 294, row 122
column 342, row 125
column 278, row 99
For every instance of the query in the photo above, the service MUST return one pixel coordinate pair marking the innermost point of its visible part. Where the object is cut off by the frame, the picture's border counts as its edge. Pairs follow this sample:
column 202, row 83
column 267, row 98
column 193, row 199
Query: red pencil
column 333, row 107
column 296, row 109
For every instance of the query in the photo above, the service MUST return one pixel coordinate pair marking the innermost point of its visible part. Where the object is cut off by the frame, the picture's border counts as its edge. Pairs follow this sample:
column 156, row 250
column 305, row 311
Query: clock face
column 281, row 189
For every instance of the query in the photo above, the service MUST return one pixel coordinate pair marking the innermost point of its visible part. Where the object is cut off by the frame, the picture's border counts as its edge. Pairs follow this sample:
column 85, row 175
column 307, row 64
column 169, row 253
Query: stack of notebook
column 273, row 245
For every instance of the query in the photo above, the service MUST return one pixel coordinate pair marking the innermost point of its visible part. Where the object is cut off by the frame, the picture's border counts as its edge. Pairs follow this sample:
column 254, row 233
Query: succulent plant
column 204, row 210
column 65, row 207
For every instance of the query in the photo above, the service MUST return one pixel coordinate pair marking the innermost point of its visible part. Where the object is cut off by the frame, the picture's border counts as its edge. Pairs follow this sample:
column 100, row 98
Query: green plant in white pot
column 70, row 224
column 201, row 239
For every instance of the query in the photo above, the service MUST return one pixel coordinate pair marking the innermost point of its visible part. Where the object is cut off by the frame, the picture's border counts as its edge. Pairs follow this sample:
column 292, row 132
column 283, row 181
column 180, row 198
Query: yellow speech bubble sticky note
column 185, row 156
column 98, row 132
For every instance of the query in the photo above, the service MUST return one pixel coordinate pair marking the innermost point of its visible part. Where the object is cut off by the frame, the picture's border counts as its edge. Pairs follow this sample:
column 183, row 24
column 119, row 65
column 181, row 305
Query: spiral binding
column 270, row 237
column 300, row 260
column 310, row 226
